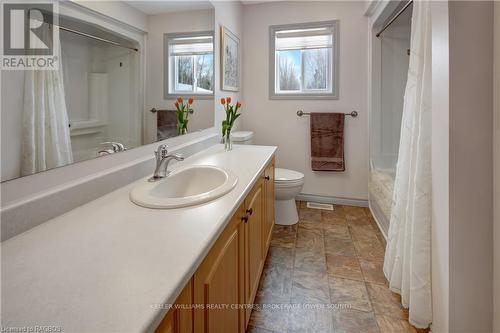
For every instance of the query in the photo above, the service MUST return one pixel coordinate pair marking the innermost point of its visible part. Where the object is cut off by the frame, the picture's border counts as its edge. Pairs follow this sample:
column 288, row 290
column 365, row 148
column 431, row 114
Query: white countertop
column 103, row 266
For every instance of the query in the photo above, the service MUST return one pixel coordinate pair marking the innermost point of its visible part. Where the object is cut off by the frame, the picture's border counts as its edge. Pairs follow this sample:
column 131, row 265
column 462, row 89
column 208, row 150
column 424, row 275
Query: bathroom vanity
column 219, row 296
column 111, row 265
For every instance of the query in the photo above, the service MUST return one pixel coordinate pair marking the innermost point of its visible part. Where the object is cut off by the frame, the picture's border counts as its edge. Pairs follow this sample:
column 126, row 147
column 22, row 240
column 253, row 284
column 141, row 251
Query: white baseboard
column 382, row 230
column 332, row 200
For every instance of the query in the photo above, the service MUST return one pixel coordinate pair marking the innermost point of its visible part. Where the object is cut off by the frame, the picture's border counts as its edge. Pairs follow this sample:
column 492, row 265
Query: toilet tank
column 242, row 137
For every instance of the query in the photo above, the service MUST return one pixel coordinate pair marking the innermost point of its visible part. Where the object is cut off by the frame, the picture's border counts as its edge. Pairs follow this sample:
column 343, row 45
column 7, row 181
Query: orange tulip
column 228, row 100
column 179, row 100
column 222, row 101
column 238, row 104
column 176, row 104
column 190, row 100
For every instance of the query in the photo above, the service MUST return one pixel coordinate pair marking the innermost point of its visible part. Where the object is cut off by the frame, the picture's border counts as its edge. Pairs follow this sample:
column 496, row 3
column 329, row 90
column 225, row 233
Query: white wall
column 496, row 168
column 158, row 25
column 440, row 168
column 275, row 121
column 230, row 15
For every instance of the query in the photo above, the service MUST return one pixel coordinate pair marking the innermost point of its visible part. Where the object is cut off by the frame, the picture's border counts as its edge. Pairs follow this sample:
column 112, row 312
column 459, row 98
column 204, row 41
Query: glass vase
column 181, row 129
column 228, row 145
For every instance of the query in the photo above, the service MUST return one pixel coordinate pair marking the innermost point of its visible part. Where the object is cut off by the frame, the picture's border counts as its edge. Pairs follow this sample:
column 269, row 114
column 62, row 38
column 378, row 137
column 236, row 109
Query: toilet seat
column 286, row 177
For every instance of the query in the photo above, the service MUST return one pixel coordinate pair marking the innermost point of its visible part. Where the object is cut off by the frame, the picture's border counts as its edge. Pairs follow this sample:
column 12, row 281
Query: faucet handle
column 112, row 144
column 162, row 151
column 121, row 146
column 117, row 146
column 178, row 157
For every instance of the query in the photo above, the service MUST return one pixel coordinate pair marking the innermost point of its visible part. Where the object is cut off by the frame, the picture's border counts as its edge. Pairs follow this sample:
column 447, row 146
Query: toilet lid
column 241, row 136
column 285, row 175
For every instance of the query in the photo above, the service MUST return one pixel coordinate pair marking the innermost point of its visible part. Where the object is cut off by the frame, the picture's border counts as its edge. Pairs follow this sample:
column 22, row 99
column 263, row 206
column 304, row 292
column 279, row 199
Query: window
column 189, row 64
column 304, row 61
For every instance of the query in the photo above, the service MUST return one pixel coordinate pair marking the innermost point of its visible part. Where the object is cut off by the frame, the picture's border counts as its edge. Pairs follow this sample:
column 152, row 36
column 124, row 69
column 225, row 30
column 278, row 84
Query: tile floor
column 324, row 274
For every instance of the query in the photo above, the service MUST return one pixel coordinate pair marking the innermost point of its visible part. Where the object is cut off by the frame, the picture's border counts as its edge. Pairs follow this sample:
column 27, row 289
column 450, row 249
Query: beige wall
column 275, row 121
column 158, row 25
column 230, row 15
column 496, row 150
column 471, row 166
column 462, row 166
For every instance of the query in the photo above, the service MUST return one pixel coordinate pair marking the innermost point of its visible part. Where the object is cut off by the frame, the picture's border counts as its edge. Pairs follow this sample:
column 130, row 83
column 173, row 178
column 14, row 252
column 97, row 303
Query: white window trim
column 333, row 70
column 166, row 67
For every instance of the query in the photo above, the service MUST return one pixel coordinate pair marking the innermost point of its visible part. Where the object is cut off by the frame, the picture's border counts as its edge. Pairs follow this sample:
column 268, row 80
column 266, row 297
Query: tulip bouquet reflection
column 183, row 112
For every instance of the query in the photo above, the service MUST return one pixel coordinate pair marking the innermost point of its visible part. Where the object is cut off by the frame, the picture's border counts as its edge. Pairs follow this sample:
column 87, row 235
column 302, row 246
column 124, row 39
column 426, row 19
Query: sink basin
column 185, row 187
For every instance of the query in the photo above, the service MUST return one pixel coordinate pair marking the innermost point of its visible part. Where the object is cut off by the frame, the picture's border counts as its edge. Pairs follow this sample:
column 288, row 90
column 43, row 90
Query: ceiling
column 167, row 6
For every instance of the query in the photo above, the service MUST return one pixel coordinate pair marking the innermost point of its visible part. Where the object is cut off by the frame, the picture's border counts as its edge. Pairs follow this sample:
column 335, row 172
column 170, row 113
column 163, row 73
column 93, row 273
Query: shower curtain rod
column 80, row 33
column 97, row 38
column 394, row 18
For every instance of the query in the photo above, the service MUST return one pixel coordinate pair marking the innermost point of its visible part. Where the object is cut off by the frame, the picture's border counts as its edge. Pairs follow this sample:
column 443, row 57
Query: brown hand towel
column 166, row 124
column 327, row 141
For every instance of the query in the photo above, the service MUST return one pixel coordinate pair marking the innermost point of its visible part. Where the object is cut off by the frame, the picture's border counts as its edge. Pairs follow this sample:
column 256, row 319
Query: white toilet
column 288, row 184
column 242, row 137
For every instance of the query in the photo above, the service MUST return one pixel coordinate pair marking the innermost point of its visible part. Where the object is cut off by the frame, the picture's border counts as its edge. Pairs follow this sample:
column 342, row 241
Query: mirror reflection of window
column 190, row 63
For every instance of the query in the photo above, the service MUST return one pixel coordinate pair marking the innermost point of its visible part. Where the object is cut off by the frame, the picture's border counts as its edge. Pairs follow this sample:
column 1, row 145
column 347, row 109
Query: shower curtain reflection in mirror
column 386, row 118
column 88, row 107
column 46, row 141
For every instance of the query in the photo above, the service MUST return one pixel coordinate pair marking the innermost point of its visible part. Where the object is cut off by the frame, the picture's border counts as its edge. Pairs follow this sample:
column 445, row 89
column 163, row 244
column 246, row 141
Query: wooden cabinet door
column 219, row 282
column 254, row 259
column 167, row 325
column 179, row 319
column 269, row 207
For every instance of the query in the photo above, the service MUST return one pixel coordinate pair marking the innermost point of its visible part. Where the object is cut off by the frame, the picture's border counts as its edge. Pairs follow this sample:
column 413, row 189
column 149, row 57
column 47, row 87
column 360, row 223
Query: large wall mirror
column 118, row 86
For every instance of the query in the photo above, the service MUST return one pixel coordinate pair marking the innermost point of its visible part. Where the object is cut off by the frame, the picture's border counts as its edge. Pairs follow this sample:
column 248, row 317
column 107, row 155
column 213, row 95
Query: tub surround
column 109, row 265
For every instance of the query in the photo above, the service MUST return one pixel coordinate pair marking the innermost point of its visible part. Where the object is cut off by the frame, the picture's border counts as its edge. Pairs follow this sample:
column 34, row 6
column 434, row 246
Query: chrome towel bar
column 301, row 113
column 154, row 110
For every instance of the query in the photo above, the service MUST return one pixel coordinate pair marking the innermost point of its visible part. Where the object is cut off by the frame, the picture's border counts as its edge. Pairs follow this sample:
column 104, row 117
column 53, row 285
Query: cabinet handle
column 249, row 211
column 244, row 218
column 267, row 177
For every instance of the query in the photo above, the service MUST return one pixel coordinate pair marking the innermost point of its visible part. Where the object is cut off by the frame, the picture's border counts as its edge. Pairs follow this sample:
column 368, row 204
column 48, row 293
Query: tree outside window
column 305, row 60
column 190, row 64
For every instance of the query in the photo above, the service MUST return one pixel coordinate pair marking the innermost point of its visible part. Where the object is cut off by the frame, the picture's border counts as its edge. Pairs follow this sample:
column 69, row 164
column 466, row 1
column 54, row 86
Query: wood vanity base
column 220, row 295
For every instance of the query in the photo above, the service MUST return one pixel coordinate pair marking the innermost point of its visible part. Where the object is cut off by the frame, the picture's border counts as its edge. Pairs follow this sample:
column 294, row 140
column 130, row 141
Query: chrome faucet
column 115, row 148
column 162, row 160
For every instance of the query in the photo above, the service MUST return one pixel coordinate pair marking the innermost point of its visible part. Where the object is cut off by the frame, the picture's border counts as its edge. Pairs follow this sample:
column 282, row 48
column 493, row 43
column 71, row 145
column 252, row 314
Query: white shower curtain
column 407, row 263
column 46, row 141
